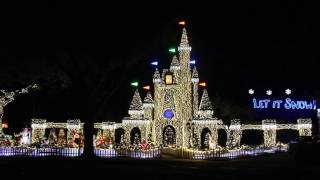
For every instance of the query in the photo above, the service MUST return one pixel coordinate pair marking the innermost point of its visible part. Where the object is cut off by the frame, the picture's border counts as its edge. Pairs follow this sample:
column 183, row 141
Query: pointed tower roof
column 205, row 104
column 148, row 98
column 184, row 44
column 175, row 64
column 136, row 103
column 195, row 75
column 156, row 76
column 184, row 38
column 148, row 101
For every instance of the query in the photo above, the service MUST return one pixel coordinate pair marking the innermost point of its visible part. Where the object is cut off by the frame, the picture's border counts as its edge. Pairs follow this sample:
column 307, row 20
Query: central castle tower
column 175, row 98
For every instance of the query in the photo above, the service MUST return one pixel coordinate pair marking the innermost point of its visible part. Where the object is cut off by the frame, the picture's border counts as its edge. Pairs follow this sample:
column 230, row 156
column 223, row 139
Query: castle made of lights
column 173, row 117
column 170, row 116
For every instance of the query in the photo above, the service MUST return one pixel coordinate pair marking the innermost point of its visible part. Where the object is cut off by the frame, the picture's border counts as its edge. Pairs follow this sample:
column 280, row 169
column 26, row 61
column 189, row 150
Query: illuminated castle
column 174, row 117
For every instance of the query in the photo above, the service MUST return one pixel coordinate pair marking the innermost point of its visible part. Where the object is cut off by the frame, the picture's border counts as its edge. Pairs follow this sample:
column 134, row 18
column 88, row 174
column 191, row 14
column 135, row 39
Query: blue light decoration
column 193, row 62
column 155, row 63
column 287, row 103
column 168, row 114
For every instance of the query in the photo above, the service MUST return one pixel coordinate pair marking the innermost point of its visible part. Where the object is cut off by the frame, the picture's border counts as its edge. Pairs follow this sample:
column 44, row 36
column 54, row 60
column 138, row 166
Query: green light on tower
column 135, row 84
column 172, row 50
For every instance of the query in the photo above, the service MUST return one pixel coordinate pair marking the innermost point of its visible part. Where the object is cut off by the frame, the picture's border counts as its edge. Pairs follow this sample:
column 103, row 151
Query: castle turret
column 135, row 109
column 205, row 108
column 174, row 68
column 156, row 77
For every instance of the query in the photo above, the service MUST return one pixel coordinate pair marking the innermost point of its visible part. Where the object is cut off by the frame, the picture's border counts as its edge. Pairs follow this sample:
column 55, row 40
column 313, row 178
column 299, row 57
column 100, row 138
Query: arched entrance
column 252, row 137
column 205, row 134
column 135, row 136
column 287, row 135
column 118, row 133
column 222, row 140
column 169, row 136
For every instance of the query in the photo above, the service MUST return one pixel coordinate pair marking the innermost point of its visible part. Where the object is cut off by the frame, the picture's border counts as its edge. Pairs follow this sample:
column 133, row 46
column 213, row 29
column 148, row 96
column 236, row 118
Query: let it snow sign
column 287, row 103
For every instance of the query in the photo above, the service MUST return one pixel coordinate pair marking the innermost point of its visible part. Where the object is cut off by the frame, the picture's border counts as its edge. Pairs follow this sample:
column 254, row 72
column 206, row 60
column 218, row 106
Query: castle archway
column 205, row 134
column 169, row 136
column 222, row 140
column 287, row 135
column 135, row 135
column 118, row 133
column 252, row 137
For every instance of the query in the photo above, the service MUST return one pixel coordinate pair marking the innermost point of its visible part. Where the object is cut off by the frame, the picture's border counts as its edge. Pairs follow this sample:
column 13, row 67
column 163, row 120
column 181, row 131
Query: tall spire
column 175, row 64
column 136, row 103
column 205, row 104
column 184, row 38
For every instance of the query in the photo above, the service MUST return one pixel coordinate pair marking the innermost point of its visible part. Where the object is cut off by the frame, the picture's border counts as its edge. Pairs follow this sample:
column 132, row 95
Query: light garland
column 7, row 97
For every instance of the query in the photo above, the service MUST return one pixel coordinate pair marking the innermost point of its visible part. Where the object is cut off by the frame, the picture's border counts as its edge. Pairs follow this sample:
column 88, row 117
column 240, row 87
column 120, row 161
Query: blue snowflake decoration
column 168, row 114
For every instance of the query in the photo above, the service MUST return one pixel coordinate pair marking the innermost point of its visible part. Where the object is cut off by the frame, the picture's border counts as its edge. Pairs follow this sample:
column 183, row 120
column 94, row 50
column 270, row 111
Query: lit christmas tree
column 122, row 143
column 169, row 137
column 52, row 137
column 61, row 138
column 206, row 141
column 136, row 141
column 195, row 142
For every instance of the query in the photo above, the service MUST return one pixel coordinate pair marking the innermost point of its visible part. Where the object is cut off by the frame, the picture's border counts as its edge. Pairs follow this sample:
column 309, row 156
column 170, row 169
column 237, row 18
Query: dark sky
column 237, row 46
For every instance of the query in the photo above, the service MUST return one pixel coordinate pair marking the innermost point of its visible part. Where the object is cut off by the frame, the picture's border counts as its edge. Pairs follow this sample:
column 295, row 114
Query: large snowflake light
column 251, row 91
column 269, row 92
column 288, row 91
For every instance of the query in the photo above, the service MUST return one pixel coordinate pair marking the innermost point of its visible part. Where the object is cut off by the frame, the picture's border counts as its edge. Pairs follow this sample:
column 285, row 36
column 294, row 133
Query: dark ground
column 279, row 166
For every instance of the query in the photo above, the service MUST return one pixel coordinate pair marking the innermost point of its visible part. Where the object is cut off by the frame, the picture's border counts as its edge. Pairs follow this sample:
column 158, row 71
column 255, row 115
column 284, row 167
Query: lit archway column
column 304, row 127
column 214, row 137
column 234, row 134
column 38, row 129
column 108, row 130
column 1, row 114
column 73, row 126
column 269, row 127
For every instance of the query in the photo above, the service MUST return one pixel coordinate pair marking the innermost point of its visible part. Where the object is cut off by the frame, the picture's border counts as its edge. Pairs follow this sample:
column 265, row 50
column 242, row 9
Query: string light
column 172, row 50
column 155, row 63
column 182, row 23
column 173, row 115
column 146, row 87
column 203, row 84
column 135, row 84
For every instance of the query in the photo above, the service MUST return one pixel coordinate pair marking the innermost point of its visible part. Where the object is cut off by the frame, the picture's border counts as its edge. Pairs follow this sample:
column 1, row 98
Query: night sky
column 70, row 49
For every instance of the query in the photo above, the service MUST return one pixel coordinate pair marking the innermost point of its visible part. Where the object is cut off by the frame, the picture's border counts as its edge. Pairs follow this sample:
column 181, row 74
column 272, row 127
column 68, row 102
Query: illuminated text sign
column 287, row 103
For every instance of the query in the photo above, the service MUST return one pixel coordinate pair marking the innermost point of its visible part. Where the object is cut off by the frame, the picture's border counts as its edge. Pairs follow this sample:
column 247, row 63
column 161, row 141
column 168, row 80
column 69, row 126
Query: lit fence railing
column 110, row 153
column 231, row 154
column 39, row 152
column 74, row 152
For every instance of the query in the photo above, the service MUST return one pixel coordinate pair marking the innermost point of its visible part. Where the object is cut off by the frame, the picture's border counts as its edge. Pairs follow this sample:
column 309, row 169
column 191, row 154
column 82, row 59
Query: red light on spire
column 4, row 125
column 183, row 23
column 203, row 84
column 146, row 87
